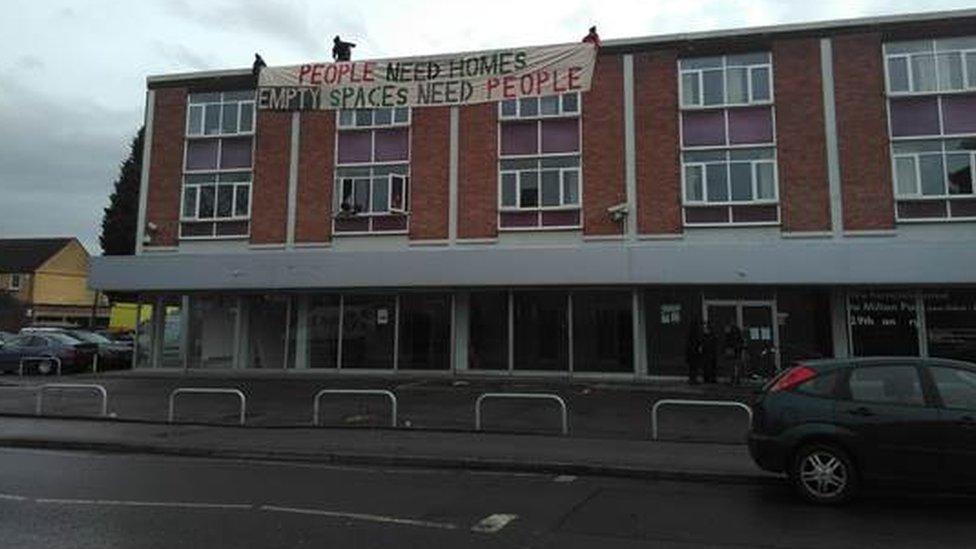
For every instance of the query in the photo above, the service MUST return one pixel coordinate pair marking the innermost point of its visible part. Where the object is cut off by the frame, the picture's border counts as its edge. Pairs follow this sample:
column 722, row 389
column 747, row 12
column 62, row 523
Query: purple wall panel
column 355, row 146
column 959, row 113
column 963, row 208
column 201, row 154
column 351, row 224
column 519, row 138
column 703, row 128
column 922, row 209
column 754, row 214
column 235, row 153
column 393, row 144
column 914, row 116
column 561, row 218
column 710, row 214
column 559, row 136
column 751, row 125
column 520, row 219
column 390, row 223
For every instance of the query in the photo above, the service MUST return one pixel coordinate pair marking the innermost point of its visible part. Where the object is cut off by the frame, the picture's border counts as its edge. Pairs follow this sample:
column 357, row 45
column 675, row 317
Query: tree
column 121, row 216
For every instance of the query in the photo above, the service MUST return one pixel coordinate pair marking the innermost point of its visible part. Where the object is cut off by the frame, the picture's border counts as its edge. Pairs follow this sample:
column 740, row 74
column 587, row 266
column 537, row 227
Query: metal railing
column 208, row 391
column 54, row 359
column 681, row 402
column 87, row 386
column 375, row 392
column 529, row 396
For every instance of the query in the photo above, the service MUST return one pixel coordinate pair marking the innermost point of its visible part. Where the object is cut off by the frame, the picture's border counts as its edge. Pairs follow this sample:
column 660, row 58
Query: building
column 49, row 277
column 810, row 183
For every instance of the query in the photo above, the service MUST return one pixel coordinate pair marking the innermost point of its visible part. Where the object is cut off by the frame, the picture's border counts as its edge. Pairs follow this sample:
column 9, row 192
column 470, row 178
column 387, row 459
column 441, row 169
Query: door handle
column 861, row 411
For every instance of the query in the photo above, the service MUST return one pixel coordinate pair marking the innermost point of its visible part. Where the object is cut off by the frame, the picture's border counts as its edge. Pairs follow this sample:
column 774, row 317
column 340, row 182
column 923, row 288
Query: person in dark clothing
column 258, row 65
column 693, row 351
column 341, row 51
column 592, row 37
column 733, row 351
column 709, row 353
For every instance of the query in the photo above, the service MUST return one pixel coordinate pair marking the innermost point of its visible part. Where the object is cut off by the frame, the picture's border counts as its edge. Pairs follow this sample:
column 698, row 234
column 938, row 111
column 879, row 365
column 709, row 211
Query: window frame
column 538, row 171
column 219, row 103
column 937, row 392
column 928, row 398
column 216, row 185
column 753, row 163
column 968, row 80
column 750, row 102
column 917, row 195
column 562, row 113
column 373, row 125
column 14, row 284
column 405, row 210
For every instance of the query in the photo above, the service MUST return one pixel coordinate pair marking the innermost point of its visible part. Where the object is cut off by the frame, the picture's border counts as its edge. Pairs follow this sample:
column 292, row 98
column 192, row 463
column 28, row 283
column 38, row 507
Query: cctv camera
column 618, row 212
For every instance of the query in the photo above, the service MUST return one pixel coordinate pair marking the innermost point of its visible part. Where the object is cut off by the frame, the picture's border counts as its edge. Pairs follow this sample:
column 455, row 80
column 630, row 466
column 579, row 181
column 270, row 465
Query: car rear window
column 887, row 385
column 824, row 385
column 63, row 339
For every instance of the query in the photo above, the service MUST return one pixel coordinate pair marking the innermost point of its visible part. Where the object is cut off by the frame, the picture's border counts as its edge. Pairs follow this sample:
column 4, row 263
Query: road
column 60, row 499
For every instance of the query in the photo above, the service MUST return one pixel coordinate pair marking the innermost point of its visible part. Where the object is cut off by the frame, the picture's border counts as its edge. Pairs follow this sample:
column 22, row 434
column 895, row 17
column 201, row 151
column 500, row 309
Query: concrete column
column 296, row 126
column 301, row 333
column 630, row 148
column 839, row 322
column 462, row 330
column 639, row 334
column 830, row 132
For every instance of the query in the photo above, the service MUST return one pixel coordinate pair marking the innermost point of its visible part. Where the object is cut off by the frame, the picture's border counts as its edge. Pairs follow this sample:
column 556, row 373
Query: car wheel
column 45, row 367
column 823, row 473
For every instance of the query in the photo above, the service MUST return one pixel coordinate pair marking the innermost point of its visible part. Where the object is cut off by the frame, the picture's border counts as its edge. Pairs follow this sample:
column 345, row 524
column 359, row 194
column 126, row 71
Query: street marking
column 493, row 523
column 12, row 497
column 564, row 478
column 183, row 504
column 360, row 516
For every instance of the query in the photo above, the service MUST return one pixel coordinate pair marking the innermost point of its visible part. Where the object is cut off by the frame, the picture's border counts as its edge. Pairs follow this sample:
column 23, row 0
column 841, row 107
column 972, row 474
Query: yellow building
column 49, row 277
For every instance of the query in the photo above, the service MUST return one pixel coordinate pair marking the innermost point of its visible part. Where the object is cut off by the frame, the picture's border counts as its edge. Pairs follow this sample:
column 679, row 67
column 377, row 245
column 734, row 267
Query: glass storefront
column 321, row 349
column 950, row 324
column 603, row 331
column 883, row 323
column 425, row 332
column 541, row 331
column 669, row 314
column 488, row 331
column 368, row 330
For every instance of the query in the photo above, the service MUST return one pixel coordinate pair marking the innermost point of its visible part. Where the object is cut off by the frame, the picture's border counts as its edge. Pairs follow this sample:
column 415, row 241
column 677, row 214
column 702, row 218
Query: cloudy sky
column 72, row 74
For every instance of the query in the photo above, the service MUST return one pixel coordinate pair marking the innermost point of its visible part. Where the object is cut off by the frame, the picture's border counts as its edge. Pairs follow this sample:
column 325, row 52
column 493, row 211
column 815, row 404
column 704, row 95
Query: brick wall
column 166, row 166
column 430, row 151
column 316, row 173
column 269, row 194
column 862, row 132
column 800, row 139
column 478, row 171
column 657, row 148
column 603, row 147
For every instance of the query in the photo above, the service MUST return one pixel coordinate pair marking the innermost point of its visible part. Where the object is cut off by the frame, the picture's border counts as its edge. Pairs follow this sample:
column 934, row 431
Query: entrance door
column 756, row 321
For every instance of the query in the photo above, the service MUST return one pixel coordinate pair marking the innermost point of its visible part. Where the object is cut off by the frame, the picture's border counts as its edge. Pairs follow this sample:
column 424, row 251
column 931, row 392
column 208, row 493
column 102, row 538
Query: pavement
column 609, row 424
column 81, row 500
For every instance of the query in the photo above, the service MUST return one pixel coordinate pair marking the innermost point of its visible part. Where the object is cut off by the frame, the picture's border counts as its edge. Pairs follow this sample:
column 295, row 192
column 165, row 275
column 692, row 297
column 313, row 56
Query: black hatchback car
column 835, row 425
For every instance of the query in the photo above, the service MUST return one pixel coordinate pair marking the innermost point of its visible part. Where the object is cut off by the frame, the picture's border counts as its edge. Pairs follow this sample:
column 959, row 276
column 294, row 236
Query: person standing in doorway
column 710, row 344
column 734, row 348
column 693, row 351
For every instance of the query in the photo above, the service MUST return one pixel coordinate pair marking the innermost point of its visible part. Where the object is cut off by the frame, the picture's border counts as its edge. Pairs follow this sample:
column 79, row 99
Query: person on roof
column 341, row 51
column 258, row 65
column 592, row 37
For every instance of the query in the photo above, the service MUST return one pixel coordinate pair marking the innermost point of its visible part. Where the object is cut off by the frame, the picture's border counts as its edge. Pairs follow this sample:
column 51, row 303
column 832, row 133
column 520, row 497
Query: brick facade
column 862, row 133
column 800, row 140
column 269, row 192
column 478, row 171
column 603, row 158
column 656, row 139
column 430, row 135
column 316, row 173
column 166, row 166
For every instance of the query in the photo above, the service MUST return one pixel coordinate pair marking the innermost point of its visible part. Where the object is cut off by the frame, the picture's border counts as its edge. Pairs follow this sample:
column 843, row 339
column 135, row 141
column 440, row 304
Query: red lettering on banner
column 555, row 84
column 302, row 72
column 344, row 69
column 316, row 77
column 490, row 86
column 330, row 74
column 542, row 79
column 574, row 78
column 508, row 87
column 526, row 83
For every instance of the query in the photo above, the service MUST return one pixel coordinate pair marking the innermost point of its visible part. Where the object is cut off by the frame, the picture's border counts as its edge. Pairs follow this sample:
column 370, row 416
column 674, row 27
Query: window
column 603, row 332
column 220, row 113
column 925, row 66
column 730, row 176
column 373, row 171
column 488, row 331
column 218, row 160
column 14, row 282
column 424, row 341
column 957, row 387
column 729, row 173
column 541, row 331
column 934, row 168
column 368, row 325
column 728, row 80
column 539, row 166
column 372, row 118
column 886, row 385
column 824, row 385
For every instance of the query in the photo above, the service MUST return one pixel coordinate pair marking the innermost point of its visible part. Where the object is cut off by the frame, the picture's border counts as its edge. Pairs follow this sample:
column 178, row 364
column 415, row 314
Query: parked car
column 834, row 426
column 111, row 354
column 4, row 336
column 41, row 351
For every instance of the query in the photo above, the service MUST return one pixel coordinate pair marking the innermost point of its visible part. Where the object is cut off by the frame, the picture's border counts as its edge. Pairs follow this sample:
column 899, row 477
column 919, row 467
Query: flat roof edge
column 822, row 25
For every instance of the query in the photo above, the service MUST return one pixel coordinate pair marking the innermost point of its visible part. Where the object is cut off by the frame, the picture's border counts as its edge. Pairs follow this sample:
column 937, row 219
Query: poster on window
column 455, row 79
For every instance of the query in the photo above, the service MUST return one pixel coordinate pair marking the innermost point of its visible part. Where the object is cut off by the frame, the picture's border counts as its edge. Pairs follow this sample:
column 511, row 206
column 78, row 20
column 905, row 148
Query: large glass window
column 669, row 317
column 211, row 333
column 322, row 328
column 541, row 330
column 603, row 332
column 425, row 332
column 738, row 175
column 883, row 324
column 934, row 168
column 950, row 324
column 947, row 64
column 488, row 331
column 726, row 80
column 267, row 332
column 368, row 323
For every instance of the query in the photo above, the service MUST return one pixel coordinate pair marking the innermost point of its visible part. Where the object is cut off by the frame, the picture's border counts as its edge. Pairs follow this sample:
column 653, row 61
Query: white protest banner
column 456, row 79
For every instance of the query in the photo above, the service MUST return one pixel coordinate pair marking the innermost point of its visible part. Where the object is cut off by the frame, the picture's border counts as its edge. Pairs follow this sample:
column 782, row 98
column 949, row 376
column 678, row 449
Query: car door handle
column 861, row 411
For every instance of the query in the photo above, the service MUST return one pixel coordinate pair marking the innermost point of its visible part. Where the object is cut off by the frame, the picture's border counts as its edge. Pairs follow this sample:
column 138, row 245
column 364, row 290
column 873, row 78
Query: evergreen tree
column 119, row 221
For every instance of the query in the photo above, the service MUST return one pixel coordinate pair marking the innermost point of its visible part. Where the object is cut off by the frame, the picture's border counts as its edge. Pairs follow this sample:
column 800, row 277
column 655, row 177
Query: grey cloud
column 185, row 57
